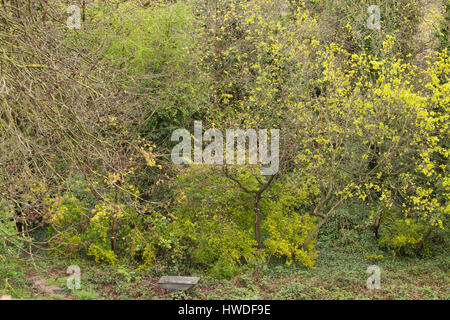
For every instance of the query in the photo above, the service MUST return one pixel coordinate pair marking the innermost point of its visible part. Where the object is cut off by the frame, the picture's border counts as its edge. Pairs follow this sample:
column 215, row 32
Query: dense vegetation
column 87, row 115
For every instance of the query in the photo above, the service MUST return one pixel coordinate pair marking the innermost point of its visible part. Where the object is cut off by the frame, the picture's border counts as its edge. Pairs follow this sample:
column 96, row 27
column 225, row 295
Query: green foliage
column 292, row 291
column 12, row 245
column 151, row 44
column 10, row 239
column 145, row 40
column 402, row 234
column 75, row 228
column 363, row 117
column 345, row 22
column 287, row 231
column 443, row 32
column 215, row 221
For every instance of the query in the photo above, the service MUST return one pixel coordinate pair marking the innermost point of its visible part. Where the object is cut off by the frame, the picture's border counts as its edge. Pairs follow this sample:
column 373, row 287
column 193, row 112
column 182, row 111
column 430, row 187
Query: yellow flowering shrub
column 287, row 232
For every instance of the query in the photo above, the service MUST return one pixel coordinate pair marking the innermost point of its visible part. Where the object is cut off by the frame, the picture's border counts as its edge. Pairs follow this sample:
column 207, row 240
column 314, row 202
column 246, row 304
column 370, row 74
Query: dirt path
column 47, row 290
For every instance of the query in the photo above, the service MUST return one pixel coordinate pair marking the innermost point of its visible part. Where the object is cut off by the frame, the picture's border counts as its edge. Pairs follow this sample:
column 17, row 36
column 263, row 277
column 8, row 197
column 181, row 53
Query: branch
column 264, row 187
column 237, row 181
column 316, row 229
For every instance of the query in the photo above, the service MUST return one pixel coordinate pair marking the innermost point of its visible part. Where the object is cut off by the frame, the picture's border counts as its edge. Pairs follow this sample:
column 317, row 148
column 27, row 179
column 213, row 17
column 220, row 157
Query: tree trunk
column 257, row 224
column 114, row 226
column 377, row 223
column 425, row 237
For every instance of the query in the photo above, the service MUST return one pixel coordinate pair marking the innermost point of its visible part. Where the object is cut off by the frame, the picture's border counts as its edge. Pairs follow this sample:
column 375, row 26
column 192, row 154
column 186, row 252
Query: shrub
column 287, row 233
column 345, row 22
column 218, row 221
column 108, row 230
column 12, row 242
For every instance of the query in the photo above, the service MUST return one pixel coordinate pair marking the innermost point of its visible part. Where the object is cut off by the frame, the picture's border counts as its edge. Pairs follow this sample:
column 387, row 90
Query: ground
column 340, row 273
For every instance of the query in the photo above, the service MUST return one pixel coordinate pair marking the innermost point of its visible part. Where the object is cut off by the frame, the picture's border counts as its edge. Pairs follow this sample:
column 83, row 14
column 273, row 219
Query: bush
column 12, row 242
column 107, row 231
column 217, row 222
column 345, row 22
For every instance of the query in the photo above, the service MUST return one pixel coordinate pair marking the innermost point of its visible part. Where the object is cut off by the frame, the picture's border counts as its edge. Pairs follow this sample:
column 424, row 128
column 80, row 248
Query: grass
column 340, row 274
